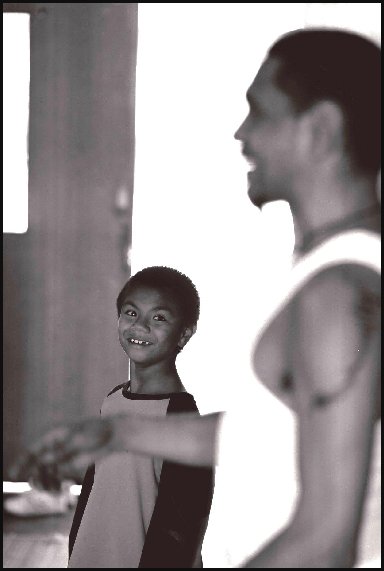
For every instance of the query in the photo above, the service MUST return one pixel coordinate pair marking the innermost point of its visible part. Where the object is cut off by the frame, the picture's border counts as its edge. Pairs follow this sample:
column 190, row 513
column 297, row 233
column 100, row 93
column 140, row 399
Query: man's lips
column 250, row 160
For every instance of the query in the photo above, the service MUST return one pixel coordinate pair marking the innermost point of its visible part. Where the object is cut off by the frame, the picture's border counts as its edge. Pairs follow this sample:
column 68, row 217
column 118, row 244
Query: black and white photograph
column 192, row 285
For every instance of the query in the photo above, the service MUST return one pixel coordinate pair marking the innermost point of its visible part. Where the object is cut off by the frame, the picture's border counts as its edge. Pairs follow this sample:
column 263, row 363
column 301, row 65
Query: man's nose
column 239, row 134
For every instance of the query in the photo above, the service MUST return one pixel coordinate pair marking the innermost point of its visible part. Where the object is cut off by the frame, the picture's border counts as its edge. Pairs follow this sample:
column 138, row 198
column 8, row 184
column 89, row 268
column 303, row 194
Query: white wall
column 191, row 209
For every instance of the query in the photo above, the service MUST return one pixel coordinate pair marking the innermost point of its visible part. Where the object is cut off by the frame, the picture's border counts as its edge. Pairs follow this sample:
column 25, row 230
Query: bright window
column 16, row 74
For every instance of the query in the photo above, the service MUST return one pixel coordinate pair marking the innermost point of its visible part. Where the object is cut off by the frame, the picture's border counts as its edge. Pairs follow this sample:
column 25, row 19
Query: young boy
column 137, row 511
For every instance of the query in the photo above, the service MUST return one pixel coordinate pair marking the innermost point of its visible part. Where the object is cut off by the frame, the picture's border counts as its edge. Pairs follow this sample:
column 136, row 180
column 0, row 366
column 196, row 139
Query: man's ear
column 186, row 335
column 327, row 129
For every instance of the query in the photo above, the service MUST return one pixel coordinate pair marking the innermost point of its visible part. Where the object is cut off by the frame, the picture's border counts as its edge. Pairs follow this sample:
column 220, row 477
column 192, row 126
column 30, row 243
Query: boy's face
column 151, row 326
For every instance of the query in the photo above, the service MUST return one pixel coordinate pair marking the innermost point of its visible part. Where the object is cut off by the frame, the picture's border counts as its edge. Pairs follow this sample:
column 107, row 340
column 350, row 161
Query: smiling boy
column 137, row 511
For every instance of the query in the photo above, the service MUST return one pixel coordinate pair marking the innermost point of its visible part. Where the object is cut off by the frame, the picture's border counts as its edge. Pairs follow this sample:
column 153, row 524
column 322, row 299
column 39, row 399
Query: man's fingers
column 52, row 439
column 49, row 477
column 46, row 450
column 16, row 471
column 80, row 463
column 63, row 449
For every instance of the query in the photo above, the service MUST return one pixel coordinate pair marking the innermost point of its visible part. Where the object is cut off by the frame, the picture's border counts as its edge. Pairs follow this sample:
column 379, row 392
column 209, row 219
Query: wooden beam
column 20, row 7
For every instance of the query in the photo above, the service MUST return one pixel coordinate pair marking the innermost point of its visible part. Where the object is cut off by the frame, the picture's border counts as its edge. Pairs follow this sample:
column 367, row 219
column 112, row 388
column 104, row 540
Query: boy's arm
column 179, row 520
column 198, row 561
column 86, row 488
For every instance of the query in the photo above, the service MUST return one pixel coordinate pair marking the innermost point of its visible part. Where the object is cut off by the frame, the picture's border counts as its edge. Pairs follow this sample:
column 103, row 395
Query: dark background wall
column 61, row 278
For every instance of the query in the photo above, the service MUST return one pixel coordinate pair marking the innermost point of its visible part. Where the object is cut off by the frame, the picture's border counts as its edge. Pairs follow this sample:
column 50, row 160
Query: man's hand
column 65, row 452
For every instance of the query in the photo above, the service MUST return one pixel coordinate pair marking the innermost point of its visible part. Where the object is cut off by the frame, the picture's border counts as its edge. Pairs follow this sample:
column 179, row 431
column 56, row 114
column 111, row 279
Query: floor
column 36, row 542
column 42, row 542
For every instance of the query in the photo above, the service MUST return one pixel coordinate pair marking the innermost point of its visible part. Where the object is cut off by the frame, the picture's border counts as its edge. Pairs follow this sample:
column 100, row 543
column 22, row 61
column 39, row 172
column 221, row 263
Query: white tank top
column 257, row 482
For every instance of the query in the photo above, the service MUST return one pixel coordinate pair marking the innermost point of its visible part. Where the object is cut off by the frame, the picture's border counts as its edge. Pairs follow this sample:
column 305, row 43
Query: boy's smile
column 139, row 342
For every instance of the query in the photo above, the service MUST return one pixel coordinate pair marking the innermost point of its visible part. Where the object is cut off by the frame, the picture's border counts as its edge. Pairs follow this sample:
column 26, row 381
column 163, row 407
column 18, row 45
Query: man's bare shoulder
column 335, row 321
column 345, row 280
column 345, row 296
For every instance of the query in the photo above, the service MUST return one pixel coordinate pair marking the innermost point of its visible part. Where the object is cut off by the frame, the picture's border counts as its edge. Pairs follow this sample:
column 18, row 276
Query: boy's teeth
column 139, row 342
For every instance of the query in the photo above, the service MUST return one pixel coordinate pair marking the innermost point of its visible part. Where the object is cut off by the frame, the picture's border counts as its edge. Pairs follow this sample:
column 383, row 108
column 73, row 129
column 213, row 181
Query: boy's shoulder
column 178, row 402
column 182, row 402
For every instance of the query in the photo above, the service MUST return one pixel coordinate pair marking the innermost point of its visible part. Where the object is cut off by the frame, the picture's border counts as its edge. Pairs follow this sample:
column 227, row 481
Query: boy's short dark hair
column 170, row 281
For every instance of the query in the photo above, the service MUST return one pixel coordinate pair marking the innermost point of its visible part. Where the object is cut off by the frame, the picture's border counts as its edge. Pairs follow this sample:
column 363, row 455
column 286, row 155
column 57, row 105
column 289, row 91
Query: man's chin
column 258, row 199
column 255, row 192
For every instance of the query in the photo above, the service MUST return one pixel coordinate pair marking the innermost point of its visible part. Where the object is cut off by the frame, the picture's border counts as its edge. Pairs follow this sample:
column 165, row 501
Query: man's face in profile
column 269, row 137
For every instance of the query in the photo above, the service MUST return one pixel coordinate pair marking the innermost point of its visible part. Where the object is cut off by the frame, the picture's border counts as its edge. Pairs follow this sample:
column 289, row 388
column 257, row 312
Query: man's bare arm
column 68, row 450
column 185, row 438
column 335, row 371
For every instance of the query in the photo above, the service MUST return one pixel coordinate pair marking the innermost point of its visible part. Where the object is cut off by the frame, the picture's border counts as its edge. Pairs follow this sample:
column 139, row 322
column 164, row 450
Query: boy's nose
column 141, row 324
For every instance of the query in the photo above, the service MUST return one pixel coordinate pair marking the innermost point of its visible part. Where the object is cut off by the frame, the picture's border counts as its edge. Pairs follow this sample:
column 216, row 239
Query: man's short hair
column 341, row 66
column 170, row 281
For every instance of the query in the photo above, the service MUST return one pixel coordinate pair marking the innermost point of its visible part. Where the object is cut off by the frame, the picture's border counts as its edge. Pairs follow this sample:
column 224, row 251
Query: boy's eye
column 159, row 317
column 130, row 312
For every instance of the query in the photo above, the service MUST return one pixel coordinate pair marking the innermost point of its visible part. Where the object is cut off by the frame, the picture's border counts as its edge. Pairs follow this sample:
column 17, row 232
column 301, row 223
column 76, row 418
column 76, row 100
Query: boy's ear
column 186, row 335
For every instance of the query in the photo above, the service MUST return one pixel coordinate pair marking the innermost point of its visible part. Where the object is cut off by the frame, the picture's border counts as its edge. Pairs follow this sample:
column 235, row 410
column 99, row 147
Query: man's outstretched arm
column 66, row 450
